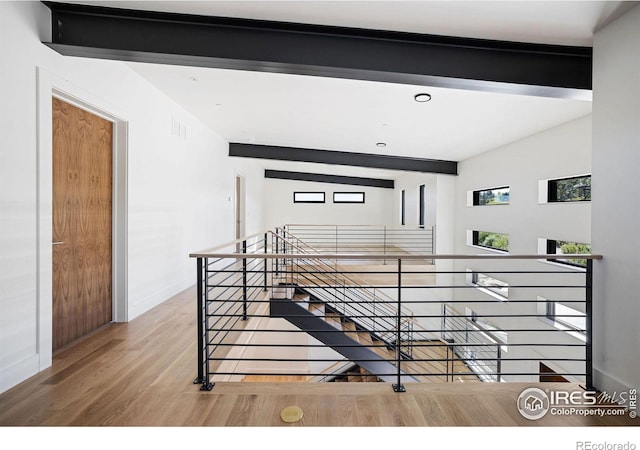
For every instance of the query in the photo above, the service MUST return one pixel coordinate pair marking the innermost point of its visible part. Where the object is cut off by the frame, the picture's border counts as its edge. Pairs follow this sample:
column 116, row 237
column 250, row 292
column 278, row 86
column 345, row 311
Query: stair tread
column 281, row 292
column 384, row 352
column 301, row 297
column 317, row 309
column 364, row 337
column 334, row 320
column 349, row 326
column 353, row 335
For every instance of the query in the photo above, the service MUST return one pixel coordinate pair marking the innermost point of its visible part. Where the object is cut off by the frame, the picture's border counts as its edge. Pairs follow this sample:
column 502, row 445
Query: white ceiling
column 551, row 22
column 348, row 115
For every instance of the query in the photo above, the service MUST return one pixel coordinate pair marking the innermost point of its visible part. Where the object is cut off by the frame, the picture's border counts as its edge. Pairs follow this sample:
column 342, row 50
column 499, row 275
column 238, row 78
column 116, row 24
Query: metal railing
column 366, row 238
column 327, row 279
column 279, row 308
column 479, row 348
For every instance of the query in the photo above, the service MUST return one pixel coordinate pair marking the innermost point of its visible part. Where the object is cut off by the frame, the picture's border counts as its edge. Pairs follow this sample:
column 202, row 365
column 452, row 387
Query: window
column 566, row 317
column 563, row 317
column 308, row 197
column 482, row 356
column 495, row 241
column 493, row 196
column 403, row 203
column 498, row 336
column 348, row 197
column 490, row 284
column 574, row 189
column 568, row 248
column 421, row 206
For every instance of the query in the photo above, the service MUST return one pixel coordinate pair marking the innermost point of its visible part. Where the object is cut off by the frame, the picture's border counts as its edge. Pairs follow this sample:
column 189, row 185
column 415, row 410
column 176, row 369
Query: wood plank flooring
column 140, row 374
column 369, row 275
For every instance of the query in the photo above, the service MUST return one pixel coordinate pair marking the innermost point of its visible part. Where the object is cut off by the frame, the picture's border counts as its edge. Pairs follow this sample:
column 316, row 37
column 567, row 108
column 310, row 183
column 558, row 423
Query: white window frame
column 543, row 191
column 337, row 194
column 302, row 194
column 469, row 242
column 492, row 291
column 559, row 324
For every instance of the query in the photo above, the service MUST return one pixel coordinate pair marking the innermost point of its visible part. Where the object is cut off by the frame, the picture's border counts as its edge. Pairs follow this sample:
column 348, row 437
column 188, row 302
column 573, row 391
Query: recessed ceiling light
column 422, row 98
column 381, row 144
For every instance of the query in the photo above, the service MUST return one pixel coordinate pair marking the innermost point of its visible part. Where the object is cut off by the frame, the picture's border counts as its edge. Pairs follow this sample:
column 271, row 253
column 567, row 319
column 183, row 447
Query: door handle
column 57, row 243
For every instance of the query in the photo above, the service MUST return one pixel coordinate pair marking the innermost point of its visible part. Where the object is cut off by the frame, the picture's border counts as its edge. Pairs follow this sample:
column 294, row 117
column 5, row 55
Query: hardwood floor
column 140, row 374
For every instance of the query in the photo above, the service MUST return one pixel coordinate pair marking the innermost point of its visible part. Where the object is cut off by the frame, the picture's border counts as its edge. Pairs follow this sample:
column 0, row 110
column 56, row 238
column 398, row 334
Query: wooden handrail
column 228, row 244
column 381, row 256
column 401, row 227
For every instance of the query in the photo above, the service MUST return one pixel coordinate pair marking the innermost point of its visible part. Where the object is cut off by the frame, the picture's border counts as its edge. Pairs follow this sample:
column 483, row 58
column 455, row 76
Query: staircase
column 334, row 330
column 347, row 320
column 373, row 359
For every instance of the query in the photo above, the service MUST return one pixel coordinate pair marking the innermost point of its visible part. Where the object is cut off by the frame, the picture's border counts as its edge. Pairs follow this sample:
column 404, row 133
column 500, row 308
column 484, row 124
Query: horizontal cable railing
column 366, row 238
column 478, row 348
column 327, row 279
column 295, row 313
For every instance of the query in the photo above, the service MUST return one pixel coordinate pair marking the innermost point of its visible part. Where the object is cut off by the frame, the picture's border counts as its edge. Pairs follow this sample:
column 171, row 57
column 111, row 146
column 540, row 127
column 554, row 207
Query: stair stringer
column 339, row 341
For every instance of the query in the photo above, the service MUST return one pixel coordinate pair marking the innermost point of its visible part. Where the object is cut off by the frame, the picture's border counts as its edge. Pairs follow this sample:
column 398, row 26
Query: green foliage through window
column 577, row 189
column 569, row 248
column 496, row 241
column 493, row 196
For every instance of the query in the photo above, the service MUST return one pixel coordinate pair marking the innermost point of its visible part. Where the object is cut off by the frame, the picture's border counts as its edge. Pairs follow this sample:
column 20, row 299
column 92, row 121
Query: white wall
column 280, row 210
column 554, row 153
column 558, row 152
column 439, row 213
column 439, row 204
column 180, row 191
column 616, row 217
column 410, row 182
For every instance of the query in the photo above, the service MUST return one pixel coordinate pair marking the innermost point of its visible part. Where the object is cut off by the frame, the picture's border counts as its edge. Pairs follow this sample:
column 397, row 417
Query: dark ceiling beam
column 333, row 179
column 369, row 160
column 267, row 46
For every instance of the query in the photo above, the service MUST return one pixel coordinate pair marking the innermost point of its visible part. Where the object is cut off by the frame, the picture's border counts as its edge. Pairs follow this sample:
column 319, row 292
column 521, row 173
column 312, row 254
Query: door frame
column 240, row 205
column 49, row 86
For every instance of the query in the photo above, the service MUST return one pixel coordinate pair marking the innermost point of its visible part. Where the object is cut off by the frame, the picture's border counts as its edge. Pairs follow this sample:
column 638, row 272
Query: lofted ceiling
column 353, row 115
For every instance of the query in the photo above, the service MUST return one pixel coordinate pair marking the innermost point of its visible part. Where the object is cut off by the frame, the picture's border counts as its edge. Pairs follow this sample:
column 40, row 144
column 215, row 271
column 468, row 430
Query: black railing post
column 450, row 351
column 199, row 308
column 589, row 326
column 499, row 363
column 203, row 347
column 277, row 234
column 244, row 280
column 398, row 387
column 266, row 240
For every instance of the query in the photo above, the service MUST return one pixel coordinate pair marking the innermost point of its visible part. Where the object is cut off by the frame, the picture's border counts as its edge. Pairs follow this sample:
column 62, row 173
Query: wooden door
column 82, row 210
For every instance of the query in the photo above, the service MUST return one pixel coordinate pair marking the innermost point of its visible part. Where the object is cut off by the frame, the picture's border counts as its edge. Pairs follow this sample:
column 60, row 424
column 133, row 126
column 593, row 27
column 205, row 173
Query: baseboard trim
column 19, row 372
column 608, row 383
